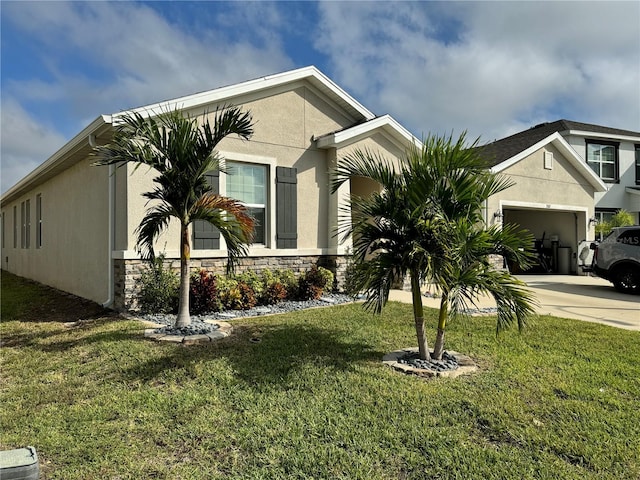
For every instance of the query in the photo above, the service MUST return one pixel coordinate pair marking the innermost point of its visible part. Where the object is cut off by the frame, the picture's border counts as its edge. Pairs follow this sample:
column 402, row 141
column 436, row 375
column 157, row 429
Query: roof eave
column 569, row 153
column 40, row 173
column 351, row 135
column 310, row 73
column 606, row 136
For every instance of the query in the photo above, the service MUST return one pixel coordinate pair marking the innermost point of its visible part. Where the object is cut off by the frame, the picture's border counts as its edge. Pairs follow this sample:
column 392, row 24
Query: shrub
column 312, row 284
column 350, row 278
column 288, row 279
column 254, row 281
column 247, row 296
column 158, row 288
column 229, row 293
column 204, row 293
column 274, row 292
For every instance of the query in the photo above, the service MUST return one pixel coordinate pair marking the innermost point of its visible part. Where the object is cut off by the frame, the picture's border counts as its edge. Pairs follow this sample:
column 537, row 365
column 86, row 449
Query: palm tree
column 427, row 222
column 182, row 150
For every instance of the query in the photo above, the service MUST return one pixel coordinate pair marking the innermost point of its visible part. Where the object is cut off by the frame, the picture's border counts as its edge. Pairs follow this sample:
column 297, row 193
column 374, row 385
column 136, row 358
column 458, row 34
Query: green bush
column 351, row 287
column 158, row 288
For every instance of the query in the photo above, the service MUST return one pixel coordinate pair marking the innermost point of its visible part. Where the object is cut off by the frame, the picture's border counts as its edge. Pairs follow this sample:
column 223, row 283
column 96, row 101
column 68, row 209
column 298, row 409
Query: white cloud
column 106, row 57
column 25, row 143
column 501, row 68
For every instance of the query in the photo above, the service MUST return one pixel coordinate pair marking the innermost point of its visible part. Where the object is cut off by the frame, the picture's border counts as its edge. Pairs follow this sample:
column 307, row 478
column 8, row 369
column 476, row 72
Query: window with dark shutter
column 205, row 235
column 286, row 207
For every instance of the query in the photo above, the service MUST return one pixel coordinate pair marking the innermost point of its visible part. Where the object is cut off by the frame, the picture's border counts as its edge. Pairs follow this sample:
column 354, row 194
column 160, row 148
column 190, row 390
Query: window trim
column 270, row 211
column 39, row 220
column 267, row 185
column 637, row 162
column 15, row 226
column 616, row 160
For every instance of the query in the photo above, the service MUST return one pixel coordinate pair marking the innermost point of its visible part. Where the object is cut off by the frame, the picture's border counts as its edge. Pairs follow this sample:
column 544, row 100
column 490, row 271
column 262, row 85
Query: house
column 72, row 225
column 568, row 161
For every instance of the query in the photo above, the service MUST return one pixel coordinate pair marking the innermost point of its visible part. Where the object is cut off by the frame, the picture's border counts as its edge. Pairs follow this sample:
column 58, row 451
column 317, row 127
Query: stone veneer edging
column 223, row 331
column 127, row 272
column 466, row 365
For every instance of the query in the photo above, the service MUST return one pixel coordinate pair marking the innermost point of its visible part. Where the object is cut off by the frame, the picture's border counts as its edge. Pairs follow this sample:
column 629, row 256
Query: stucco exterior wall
column 558, row 187
column 285, row 125
column 74, row 256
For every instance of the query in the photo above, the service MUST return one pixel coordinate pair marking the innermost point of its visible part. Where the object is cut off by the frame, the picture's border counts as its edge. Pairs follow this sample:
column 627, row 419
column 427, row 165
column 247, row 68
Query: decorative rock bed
column 214, row 326
column 185, row 336
column 453, row 364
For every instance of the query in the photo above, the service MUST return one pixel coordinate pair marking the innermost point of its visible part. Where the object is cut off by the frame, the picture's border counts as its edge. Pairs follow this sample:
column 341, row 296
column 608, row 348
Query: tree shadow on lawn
column 47, row 341
column 265, row 354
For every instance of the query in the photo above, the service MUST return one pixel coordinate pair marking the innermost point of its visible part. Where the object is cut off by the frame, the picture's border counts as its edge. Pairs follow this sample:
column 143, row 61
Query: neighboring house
column 554, row 192
column 609, row 154
column 72, row 225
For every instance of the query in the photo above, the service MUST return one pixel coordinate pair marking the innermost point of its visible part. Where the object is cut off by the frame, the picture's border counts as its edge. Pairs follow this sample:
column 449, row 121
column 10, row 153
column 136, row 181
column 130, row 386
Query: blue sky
column 491, row 68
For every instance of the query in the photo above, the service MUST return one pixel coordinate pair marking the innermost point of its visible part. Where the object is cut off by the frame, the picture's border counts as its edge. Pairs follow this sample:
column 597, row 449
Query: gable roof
column 386, row 124
column 565, row 149
column 81, row 143
column 503, row 149
column 227, row 93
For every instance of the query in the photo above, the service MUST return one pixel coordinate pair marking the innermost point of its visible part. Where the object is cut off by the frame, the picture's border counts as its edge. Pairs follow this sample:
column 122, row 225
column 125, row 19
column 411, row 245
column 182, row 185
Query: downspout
column 110, row 228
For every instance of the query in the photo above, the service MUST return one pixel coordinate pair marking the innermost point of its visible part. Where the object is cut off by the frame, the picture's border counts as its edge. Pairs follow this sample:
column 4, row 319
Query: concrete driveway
column 591, row 299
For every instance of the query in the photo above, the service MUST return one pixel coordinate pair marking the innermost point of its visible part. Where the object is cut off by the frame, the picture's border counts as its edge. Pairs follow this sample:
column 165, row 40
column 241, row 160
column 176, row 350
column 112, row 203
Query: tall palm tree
column 182, row 150
column 427, row 222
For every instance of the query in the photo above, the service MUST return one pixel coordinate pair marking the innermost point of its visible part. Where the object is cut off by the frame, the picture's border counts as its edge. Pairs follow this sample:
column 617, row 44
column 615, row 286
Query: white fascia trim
column 632, row 191
column 569, row 153
column 541, row 206
column 78, row 141
column 350, row 135
column 262, row 83
column 604, row 136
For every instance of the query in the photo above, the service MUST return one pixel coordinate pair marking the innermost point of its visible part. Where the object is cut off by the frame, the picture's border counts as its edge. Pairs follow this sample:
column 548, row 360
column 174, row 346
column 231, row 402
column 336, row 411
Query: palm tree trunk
column 438, row 347
column 184, row 318
column 418, row 315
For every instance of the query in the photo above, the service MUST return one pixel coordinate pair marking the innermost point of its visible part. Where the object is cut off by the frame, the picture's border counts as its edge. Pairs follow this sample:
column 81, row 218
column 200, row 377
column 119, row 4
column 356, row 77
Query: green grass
column 313, row 400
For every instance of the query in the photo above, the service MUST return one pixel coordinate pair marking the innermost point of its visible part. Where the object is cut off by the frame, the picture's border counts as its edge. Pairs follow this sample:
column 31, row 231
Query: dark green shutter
column 205, row 235
column 286, row 207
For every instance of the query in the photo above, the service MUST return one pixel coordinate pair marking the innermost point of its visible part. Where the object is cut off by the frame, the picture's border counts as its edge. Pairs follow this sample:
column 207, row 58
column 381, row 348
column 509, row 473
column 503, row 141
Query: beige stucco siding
column 285, row 125
column 561, row 185
column 74, row 256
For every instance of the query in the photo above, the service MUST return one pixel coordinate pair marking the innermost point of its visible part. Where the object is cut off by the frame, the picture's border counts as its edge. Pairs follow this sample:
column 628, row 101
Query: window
column 637, row 164
column 248, row 184
column 23, row 226
column 15, row 226
column 27, row 231
column 602, row 157
column 39, row 221
column 603, row 217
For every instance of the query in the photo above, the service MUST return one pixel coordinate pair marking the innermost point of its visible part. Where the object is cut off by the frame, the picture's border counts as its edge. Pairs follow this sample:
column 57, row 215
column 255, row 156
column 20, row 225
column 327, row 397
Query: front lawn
column 305, row 395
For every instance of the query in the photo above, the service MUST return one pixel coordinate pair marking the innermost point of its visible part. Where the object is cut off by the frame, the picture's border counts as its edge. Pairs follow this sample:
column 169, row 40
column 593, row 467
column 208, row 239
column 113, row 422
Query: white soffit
column 567, row 151
column 605, row 136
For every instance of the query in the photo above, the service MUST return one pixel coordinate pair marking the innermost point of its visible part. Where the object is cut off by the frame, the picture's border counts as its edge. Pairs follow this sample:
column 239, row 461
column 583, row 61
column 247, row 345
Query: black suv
column 617, row 259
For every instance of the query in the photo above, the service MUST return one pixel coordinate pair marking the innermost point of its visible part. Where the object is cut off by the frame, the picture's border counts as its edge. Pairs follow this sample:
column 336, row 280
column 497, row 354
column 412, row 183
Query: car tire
column 627, row 279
